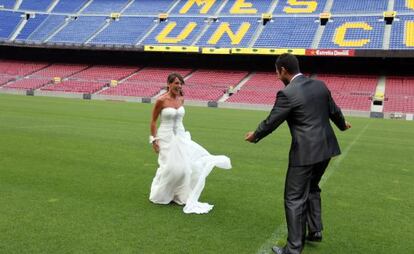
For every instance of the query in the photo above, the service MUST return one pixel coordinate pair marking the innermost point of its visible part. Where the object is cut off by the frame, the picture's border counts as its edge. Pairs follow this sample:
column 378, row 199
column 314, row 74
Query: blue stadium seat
column 8, row 4
column 105, row 6
column 399, row 32
column 261, row 6
column 292, row 32
column 69, row 6
column 142, row 7
column 79, row 30
column 360, row 6
column 35, row 5
column 8, row 23
column 401, row 6
column 127, row 30
column 30, row 26
column 181, row 23
column 46, row 28
column 368, row 39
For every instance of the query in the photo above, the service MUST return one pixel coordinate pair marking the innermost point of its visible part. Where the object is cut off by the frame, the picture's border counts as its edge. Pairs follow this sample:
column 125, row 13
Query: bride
column 183, row 164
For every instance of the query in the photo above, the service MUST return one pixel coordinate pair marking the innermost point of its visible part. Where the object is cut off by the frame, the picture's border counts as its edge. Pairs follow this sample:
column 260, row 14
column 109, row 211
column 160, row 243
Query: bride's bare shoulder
column 161, row 98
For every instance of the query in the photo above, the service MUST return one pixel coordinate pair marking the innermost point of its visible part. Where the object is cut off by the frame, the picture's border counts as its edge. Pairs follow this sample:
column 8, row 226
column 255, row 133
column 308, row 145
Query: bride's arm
column 153, row 126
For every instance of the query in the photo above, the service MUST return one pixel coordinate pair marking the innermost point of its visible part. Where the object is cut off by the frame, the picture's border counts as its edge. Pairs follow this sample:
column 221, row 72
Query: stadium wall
column 310, row 64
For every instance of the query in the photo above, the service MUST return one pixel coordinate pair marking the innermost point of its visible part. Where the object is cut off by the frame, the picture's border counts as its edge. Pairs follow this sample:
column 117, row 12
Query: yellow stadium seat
column 266, row 17
column 113, row 83
column 389, row 16
column 163, row 16
column 115, row 15
column 324, row 17
column 57, row 80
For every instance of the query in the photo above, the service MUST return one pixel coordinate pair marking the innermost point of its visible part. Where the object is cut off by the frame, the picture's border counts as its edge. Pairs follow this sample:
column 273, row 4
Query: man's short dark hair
column 289, row 62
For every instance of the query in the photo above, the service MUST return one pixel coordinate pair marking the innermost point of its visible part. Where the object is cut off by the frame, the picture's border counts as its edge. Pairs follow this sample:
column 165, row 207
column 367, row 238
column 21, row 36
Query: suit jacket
column 307, row 105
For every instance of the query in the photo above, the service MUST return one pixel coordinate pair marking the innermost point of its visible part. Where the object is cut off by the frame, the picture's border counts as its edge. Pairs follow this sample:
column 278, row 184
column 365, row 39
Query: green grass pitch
column 75, row 178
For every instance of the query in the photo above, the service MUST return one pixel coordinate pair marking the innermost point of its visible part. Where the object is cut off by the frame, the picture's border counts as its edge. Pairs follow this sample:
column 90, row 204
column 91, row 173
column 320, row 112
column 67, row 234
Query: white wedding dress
column 183, row 165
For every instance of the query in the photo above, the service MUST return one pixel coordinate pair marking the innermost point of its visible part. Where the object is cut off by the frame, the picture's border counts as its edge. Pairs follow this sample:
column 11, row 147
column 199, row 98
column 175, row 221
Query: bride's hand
column 155, row 146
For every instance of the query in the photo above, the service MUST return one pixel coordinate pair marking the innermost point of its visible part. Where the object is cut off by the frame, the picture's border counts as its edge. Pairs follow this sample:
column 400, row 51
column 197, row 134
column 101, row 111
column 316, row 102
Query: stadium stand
column 399, row 92
column 78, row 30
column 31, row 25
column 144, row 83
column 261, row 88
column 210, row 85
column 400, row 86
column 176, row 31
column 288, row 33
column 131, row 89
column 229, row 32
column 353, row 32
column 218, row 24
column 7, row 4
column 191, row 7
column 35, row 5
column 8, row 23
column 301, row 7
column 5, row 78
column 356, row 25
column 69, row 6
column 19, row 69
column 105, row 6
column 126, row 30
column 350, row 102
column 403, row 33
column 399, row 105
column 215, row 78
column 350, row 84
column 59, row 70
column 28, row 84
column 70, row 86
column 104, row 73
column 255, row 7
column 142, row 7
column 403, row 6
column 351, row 91
column 202, row 93
column 361, row 6
column 156, row 75
column 46, row 28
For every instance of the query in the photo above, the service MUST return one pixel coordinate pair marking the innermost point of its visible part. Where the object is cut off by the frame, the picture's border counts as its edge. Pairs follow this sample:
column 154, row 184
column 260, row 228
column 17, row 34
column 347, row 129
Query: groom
column 307, row 106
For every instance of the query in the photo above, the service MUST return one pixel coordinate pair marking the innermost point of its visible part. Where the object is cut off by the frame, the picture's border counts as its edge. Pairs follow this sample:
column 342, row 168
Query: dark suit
column 307, row 106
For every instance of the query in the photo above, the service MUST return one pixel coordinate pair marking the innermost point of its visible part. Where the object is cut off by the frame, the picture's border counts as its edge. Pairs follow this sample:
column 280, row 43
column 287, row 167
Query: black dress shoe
column 315, row 236
column 278, row 250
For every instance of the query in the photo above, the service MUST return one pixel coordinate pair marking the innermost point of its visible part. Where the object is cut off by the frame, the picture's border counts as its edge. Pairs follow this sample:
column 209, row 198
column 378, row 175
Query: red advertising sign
column 330, row 52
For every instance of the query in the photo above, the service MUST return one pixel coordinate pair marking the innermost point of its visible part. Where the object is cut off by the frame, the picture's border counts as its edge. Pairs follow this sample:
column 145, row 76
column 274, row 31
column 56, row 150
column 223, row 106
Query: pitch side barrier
column 223, row 51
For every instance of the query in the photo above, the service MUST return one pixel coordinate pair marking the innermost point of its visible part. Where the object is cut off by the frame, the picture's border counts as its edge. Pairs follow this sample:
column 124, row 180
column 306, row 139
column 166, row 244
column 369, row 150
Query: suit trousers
column 303, row 203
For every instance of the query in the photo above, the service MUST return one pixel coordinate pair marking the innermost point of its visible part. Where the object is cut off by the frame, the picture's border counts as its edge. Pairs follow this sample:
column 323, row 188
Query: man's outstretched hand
column 250, row 136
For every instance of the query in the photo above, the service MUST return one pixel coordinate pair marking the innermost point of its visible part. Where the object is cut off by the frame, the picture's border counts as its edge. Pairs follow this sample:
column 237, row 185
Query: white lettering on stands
column 344, row 52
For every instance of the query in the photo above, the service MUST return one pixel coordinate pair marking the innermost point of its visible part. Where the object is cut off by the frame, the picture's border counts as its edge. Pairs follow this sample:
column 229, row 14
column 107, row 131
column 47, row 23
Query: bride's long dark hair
column 171, row 79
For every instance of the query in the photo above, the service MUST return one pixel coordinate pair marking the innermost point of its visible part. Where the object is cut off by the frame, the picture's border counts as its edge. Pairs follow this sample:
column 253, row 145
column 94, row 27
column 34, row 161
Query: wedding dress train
column 183, row 165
